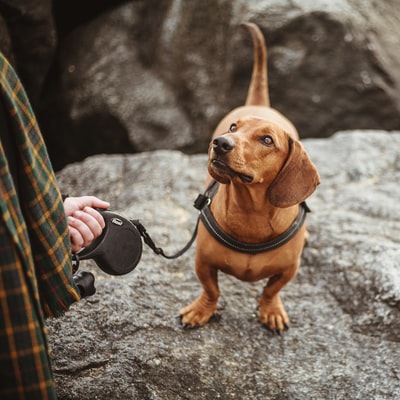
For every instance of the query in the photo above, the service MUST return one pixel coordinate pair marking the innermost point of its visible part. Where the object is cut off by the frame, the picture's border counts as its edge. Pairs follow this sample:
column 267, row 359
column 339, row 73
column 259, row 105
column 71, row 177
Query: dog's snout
column 223, row 144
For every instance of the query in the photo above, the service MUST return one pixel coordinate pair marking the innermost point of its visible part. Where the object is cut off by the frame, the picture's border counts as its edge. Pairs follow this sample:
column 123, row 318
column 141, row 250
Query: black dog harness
column 203, row 202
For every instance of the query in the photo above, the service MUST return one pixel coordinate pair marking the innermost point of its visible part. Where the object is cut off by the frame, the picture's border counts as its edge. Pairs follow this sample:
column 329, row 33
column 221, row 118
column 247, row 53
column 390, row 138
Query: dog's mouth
column 221, row 167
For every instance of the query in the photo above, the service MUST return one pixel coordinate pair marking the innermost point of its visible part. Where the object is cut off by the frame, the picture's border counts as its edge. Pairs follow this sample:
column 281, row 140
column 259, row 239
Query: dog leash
column 202, row 203
column 158, row 250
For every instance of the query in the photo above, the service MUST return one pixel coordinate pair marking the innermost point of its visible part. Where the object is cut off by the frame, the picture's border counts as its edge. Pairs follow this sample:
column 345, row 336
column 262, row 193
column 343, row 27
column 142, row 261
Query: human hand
column 84, row 222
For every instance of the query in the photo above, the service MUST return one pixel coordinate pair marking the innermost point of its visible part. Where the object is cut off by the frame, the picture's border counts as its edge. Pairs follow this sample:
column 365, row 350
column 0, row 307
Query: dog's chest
column 250, row 268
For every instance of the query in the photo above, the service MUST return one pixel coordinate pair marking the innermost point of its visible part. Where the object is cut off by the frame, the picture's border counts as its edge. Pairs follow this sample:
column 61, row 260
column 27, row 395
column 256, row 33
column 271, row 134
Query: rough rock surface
column 125, row 342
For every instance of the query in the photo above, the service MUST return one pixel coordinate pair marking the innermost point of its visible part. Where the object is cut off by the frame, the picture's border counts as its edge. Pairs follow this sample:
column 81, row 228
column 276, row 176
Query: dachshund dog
column 263, row 176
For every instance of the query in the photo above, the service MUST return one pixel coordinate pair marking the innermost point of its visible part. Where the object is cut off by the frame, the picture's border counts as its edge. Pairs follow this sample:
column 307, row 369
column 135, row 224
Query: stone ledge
column 125, row 342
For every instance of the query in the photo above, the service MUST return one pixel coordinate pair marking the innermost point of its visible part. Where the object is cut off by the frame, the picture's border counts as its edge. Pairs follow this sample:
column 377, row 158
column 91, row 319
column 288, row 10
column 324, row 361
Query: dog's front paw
column 273, row 315
column 197, row 314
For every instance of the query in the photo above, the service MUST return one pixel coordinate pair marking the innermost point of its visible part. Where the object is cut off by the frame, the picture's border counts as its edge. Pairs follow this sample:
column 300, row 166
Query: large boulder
column 145, row 76
column 126, row 341
column 133, row 76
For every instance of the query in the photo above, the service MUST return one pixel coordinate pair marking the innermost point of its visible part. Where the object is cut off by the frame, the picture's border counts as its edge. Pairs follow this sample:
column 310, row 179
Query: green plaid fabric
column 35, row 256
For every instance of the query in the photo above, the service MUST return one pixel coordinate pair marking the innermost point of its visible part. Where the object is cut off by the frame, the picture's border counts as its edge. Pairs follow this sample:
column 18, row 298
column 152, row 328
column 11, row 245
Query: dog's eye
column 267, row 140
column 233, row 128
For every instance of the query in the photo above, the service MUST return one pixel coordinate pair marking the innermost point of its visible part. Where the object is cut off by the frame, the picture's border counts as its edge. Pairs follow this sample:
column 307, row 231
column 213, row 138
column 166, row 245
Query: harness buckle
column 201, row 201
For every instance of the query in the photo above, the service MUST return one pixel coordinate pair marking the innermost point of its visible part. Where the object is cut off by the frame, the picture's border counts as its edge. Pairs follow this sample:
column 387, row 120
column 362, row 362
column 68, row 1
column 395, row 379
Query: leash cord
column 201, row 201
column 158, row 250
column 202, row 204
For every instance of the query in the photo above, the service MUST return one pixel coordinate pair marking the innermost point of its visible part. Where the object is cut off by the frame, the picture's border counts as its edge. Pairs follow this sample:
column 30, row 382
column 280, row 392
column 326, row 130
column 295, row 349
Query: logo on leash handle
column 117, row 221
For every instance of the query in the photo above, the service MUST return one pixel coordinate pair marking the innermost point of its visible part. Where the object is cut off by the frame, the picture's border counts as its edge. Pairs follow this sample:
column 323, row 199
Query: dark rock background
column 126, row 342
column 131, row 76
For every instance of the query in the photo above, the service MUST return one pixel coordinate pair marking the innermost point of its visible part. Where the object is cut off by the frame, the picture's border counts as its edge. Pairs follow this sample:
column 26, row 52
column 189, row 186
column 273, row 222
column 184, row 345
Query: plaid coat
column 35, row 256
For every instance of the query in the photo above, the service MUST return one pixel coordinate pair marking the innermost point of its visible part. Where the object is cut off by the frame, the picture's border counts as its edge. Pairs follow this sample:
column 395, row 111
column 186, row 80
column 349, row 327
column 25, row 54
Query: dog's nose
column 223, row 144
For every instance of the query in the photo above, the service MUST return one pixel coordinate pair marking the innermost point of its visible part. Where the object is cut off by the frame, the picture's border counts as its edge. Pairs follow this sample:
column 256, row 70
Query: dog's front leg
column 272, row 314
column 205, row 306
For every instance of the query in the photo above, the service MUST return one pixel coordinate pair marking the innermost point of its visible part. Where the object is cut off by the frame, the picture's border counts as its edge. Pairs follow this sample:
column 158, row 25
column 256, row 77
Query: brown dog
column 264, row 174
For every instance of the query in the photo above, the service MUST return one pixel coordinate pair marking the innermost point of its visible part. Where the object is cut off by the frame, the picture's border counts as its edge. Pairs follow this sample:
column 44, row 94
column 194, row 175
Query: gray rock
column 145, row 76
column 126, row 342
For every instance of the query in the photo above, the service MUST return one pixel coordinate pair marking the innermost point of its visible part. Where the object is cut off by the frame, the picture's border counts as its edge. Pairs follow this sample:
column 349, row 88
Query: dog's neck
column 244, row 211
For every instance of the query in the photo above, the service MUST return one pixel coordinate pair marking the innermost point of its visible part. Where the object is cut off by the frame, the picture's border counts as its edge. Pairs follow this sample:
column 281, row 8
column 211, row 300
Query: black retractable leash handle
column 118, row 250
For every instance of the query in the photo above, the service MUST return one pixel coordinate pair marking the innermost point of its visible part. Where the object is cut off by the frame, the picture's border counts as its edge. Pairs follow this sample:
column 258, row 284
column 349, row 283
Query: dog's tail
column 258, row 94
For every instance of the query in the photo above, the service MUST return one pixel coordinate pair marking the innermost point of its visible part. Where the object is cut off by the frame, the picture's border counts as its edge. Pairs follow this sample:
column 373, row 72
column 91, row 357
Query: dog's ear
column 297, row 179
